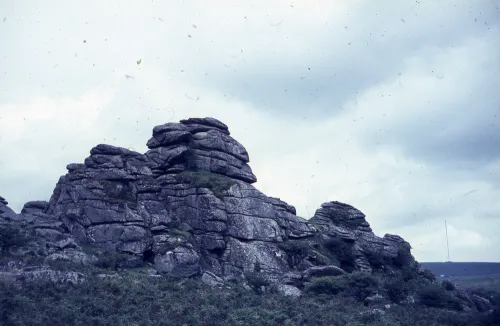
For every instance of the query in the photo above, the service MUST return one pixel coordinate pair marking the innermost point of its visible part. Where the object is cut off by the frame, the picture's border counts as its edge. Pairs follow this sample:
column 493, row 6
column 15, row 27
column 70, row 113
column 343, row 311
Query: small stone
column 289, row 290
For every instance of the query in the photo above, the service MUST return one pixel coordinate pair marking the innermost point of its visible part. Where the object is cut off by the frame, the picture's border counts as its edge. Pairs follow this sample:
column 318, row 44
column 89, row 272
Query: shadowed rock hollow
column 188, row 206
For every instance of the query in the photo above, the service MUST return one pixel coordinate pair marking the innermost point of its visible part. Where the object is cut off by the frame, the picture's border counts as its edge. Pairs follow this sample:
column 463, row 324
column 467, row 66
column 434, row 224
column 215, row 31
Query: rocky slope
column 187, row 206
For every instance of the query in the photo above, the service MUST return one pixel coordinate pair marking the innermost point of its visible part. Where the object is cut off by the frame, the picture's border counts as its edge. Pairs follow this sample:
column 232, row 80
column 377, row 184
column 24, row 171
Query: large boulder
column 5, row 211
column 348, row 226
column 321, row 271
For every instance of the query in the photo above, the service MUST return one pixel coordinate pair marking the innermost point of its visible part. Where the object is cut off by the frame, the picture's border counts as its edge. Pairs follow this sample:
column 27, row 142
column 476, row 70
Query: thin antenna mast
column 447, row 244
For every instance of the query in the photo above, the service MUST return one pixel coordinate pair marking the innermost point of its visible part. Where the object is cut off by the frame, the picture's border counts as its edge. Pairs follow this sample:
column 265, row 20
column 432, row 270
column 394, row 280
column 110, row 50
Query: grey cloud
column 16, row 189
column 293, row 89
column 341, row 63
column 460, row 134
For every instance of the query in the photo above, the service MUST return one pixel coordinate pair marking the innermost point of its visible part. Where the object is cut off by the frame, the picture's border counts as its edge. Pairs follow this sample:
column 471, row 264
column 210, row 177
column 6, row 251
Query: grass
column 119, row 192
column 491, row 282
column 139, row 300
column 217, row 183
column 136, row 299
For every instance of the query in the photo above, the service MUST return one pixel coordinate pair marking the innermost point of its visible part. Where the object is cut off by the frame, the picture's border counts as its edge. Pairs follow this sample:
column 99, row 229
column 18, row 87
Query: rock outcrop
column 337, row 220
column 187, row 206
column 5, row 211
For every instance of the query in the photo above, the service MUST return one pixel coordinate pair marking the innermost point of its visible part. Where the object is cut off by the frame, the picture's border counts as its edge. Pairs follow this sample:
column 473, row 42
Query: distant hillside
column 460, row 269
column 489, row 282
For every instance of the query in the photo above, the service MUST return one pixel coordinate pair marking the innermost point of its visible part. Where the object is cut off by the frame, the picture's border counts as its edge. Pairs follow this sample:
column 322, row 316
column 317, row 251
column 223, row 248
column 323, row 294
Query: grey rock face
column 292, row 278
column 339, row 220
column 5, row 211
column 74, row 256
column 211, row 279
column 42, row 273
column 180, row 262
column 34, row 207
column 481, row 303
column 188, row 206
column 341, row 215
column 35, row 234
column 377, row 300
column 289, row 290
column 201, row 144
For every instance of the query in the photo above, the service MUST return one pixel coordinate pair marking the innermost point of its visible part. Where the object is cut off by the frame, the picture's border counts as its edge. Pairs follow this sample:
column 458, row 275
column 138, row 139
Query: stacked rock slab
column 34, row 234
column 198, row 144
column 188, row 206
column 5, row 210
column 341, row 220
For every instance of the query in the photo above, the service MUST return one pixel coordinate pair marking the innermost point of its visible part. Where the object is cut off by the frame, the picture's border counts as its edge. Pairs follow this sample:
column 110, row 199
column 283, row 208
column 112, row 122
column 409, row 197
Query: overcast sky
column 390, row 106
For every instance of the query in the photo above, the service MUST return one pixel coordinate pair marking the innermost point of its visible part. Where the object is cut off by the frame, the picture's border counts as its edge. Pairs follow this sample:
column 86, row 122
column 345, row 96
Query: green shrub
column 434, row 295
column 327, row 285
column 358, row 285
column 64, row 265
column 371, row 317
column 119, row 192
column 12, row 236
column 404, row 258
column 217, row 183
column 493, row 318
column 363, row 279
column 362, row 285
column 256, row 281
column 111, row 260
column 375, row 259
column 401, row 284
column 135, row 300
column 343, row 252
column 427, row 274
column 397, row 289
column 322, row 258
column 296, row 251
column 447, row 285
column 294, row 247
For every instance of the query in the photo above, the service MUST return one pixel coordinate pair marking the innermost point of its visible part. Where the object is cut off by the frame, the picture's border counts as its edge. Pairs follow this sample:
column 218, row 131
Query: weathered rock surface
column 187, row 204
column 188, row 207
column 289, row 290
column 342, row 221
column 211, row 279
column 16, row 271
column 5, row 211
column 43, row 274
column 33, row 207
column 482, row 304
column 30, row 241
